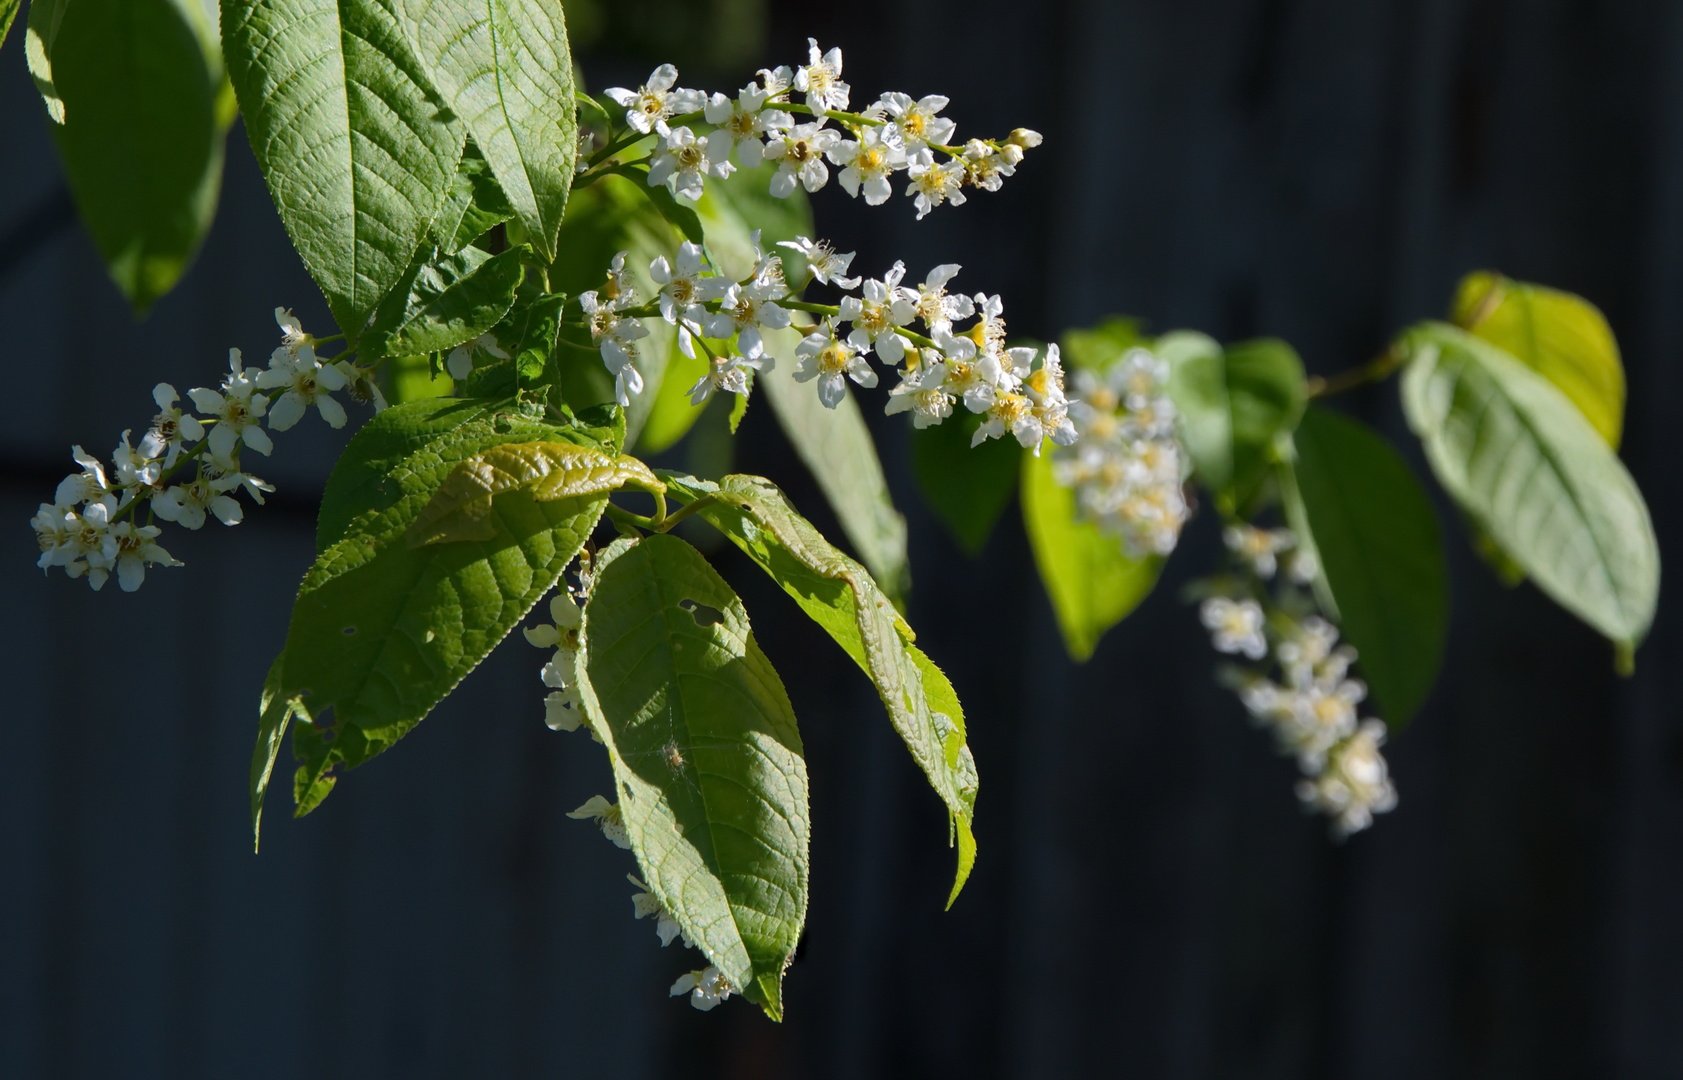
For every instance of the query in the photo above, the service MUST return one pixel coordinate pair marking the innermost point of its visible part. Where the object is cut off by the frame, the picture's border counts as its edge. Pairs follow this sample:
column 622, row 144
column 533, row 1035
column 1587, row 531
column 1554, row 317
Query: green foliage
column 473, row 206
column 1562, row 337
column 1357, row 505
column 967, row 487
column 1235, row 404
column 706, row 757
column 505, row 68
column 1534, row 474
column 133, row 88
column 8, row 12
column 396, row 610
column 446, row 301
column 836, row 446
column 1098, row 347
column 1092, row 583
column 358, row 150
column 842, row 598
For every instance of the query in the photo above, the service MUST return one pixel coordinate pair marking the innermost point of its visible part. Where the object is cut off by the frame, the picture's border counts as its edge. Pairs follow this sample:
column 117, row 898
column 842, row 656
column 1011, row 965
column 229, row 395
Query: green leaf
column 358, row 152
column 8, row 12
column 1097, row 348
column 504, row 67
column 1092, row 582
column 133, row 88
column 1234, row 406
column 447, row 301
column 967, row 487
column 1377, row 540
column 1536, row 476
column 385, row 624
column 473, row 206
column 837, row 447
column 1562, row 337
column 706, row 757
column 843, row 599
column 739, row 406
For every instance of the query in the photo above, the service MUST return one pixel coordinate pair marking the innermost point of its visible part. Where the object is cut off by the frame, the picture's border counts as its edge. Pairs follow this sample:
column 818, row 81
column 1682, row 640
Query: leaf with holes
column 1376, row 539
column 383, row 626
column 134, row 87
column 843, row 599
column 706, row 757
column 1092, row 582
column 358, row 151
column 505, row 68
column 1564, row 338
column 1534, row 474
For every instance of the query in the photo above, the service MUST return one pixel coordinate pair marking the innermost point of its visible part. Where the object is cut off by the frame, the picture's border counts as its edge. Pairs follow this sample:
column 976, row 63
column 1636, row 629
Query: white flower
column 831, row 360
column 971, row 378
column 727, row 373
column 138, row 466
column 173, row 425
column 1258, row 549
column 307, row 382
column 1027, row 138
column 186, row 504
column 615, row 337
column 563, row 632
column 867, row 163
column 827, row 265
column 1140, row 377
column 131, row 549
column 915, row 122
column 743, row 310
column 987, row 168
column 878, row 315
column 226, row 476
column 645, row 905
column 88, row 486
column 682, row 286
column 85, row 545
column 934, row 183
column 776, row 82
column 742, row 124
column 1319, row 717
column 360, row 384
column 607, row 816
column 1302, row 568
column 460, row 361
column 293, row 337
column 1235, row 626
column 1012, row 413
column 1308, row 646
column 237, row 410
column 799, row 153
column 935, row 306
column 706, row 987
column 923, row 392
column 648, row 107
column 820, row 79
column 56, row 528
column 682, row 162
column 1355, row 784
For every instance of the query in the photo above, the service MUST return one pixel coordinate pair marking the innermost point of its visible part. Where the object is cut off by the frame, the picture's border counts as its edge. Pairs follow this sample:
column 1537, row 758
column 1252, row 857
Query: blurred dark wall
column 1149, row 901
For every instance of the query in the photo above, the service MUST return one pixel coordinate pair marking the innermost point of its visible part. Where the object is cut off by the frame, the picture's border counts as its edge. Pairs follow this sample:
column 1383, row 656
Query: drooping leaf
column 1523, row 461
column 1092, row 582
column 707, row 759
column 1380, row 552
column 133, row 88
column 1234, row 404
column 358, row 151
column 505, row 68
column 446, row 301
column 1562, row 337
column 846, row 602
column 384, row 626
column 967, row 487
column 837, row 448
column 473, row 206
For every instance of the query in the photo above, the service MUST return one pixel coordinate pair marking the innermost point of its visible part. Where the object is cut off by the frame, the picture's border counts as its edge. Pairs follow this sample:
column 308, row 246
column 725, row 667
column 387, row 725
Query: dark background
column 1150, row 901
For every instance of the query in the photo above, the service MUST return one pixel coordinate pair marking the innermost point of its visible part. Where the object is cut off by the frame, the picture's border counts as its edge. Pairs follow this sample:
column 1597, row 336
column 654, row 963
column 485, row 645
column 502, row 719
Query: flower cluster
column 700, row 135
column 1312, row 704
column 1125, row 462
column 912, row 329
column 94, row 526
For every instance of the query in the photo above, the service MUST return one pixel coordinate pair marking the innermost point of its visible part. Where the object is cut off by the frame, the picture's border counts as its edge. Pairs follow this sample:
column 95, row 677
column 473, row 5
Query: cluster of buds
column 912, row 330
column 700, row 135
column 103, row 521
column 1311, row 704
column 1126, row 463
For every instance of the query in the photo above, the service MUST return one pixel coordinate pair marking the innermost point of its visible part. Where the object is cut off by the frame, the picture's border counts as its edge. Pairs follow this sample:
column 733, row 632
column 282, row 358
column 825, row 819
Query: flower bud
column 1027, row 138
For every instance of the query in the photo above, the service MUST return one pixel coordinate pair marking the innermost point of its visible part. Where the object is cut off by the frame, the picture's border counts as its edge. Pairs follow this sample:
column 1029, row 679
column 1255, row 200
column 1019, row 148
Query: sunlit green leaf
column 1097, row 348
column 8, row 12
column 1380, row 552
column 1533, row 473
column 706, row 757
column 1234, row 404
column 447, row 301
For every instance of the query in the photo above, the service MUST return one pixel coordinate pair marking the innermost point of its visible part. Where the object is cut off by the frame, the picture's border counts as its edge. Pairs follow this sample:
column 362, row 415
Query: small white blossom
column 615, row 336
column 727, row 373
column 831, row 360
column 1258, row 549
column 645, row 905
column 139, row 466
column 934, row 305
column 226, row 475
column 820, row 78
column 867, row 163
column 88, row 486
column 986, row 167
column 878, row 314
column 683, row 162
column 934, row 183
column 293, row 337
column 741, row 125
column 1355, row 784
column 237, row 409
column 187, row 504
column 607, row 816
column 924, row 394
column 1235, row 626
column 799, row 152
column 306, row 382
column 827, row 264
column 706, row 987
column 743, row 311
column 360, row 384
column 683, row 289
column 650, row 106
column 915, row 122
column 129, row 549
column 172, row 424
column 459, row 363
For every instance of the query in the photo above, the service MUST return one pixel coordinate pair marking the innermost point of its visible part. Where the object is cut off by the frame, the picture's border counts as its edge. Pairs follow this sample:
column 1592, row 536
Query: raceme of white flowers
column 187, row 467
column 1125, row 462
column 700, row 135
column 1312, row 706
